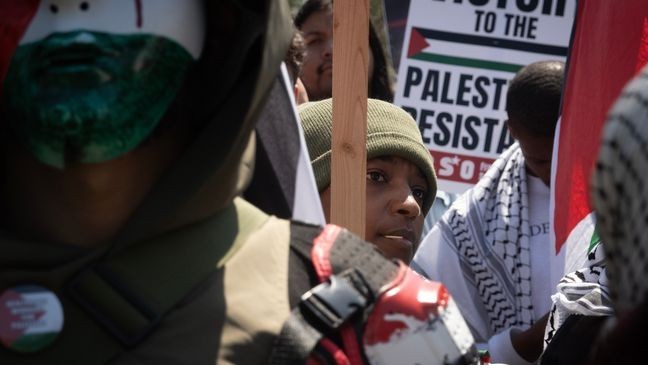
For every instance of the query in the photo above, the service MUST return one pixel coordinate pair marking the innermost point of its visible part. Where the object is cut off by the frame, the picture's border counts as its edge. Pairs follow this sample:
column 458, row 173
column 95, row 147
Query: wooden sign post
column 350, row 80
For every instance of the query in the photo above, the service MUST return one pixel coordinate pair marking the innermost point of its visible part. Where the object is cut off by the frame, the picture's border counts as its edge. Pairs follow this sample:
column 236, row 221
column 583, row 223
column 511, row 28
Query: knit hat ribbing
column 390, row 132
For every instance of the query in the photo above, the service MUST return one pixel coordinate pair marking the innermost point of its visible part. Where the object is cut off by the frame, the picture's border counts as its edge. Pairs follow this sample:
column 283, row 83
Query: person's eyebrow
column 392, row 160
column 389, row 159
column 312, row 32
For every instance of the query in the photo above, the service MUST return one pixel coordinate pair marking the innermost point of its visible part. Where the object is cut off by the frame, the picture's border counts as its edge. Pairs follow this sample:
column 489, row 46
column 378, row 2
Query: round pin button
column 30, row 318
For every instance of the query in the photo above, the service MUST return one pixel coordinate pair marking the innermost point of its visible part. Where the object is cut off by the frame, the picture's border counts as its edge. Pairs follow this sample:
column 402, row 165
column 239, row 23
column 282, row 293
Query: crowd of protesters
column 157, row 255
column 487, row 248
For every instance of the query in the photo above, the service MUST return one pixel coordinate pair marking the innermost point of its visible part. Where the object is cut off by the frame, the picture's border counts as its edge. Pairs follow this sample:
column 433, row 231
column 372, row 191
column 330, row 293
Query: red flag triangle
column 417, row 43
column 16, row 16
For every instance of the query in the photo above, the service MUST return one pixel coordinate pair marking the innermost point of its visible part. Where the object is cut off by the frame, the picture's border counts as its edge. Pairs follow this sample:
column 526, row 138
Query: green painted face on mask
column 90, row 97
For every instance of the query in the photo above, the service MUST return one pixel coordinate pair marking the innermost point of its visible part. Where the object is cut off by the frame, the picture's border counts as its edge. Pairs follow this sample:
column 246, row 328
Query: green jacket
column 189, row 226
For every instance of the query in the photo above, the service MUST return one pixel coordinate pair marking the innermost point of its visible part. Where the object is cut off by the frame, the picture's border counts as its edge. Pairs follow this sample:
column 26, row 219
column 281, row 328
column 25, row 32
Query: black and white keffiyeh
column 492, row 241
column 583, row 292
column 620, row 195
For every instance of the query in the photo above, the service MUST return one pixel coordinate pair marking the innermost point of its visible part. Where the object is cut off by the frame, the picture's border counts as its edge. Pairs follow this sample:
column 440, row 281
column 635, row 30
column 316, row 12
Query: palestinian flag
column 477, row 51
column 31, row 317
column 609, row 46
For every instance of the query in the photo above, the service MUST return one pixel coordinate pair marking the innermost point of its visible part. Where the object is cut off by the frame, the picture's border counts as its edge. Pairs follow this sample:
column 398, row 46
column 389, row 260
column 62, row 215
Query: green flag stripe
column 596, row 239
column 467, row 62
column 33, row 342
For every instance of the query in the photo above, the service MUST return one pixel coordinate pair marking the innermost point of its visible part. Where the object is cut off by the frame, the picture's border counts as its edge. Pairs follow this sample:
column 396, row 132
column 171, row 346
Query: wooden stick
column 350, row 80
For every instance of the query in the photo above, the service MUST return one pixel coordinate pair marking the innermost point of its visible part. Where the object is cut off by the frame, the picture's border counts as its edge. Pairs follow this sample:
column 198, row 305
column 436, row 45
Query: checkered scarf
column 583, row 292
column 492, row 241
column 620, row 195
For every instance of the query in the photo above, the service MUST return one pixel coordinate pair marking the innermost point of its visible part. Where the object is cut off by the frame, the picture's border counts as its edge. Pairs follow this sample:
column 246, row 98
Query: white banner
column 457, row 59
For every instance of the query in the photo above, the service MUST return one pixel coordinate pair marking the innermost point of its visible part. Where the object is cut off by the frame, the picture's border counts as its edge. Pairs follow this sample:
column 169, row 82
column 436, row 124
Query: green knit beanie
column 391, row 131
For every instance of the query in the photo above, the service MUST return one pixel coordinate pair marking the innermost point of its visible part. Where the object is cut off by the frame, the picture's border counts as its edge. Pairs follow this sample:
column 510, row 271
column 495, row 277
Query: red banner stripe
column 322, row 249
column 15, row 16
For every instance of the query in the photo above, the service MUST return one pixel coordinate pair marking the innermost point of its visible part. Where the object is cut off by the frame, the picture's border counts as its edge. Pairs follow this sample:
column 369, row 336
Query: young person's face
column 537, row 151
column 317, row 68
column 396, row 190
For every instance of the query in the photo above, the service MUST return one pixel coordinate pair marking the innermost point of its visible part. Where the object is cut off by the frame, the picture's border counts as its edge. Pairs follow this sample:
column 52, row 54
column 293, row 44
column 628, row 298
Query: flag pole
column 350, row 80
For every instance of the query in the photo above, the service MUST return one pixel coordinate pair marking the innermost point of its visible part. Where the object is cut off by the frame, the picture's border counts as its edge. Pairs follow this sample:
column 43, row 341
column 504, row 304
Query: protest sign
column 457, row 60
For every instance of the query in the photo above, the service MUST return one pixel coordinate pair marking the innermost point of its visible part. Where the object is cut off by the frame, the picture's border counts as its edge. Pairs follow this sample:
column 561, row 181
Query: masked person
column 401, row 183
column 126, row 135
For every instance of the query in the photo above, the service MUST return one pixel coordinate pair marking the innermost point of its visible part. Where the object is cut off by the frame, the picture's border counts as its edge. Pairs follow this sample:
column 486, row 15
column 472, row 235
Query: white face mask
column 182, row 21
column 91, row 80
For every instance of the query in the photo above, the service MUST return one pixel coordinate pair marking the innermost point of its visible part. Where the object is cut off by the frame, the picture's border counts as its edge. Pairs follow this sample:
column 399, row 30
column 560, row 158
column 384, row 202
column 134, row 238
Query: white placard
column 458, row 57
